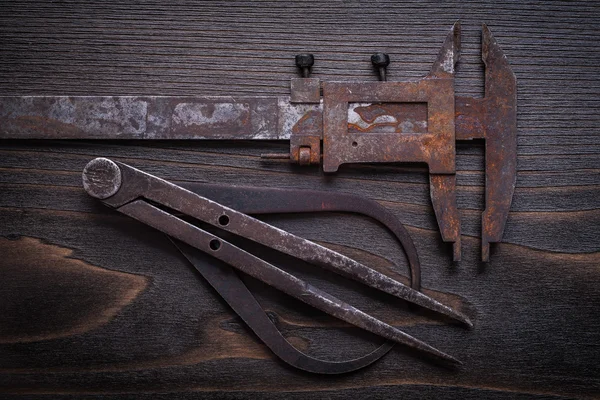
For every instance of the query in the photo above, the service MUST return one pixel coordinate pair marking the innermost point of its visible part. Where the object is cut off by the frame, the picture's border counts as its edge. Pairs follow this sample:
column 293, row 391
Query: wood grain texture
column 93, row 304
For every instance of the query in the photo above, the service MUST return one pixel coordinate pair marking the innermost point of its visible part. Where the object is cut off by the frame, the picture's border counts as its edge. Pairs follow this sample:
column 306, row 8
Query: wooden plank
column 97, row 305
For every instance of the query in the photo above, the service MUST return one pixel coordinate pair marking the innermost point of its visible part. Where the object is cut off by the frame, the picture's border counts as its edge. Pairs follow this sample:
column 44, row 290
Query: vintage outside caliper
column 332, row 123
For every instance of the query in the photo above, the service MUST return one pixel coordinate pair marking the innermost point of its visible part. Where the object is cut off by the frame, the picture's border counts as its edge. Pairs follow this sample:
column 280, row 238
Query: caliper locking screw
column 381, row 61
column 304, row 62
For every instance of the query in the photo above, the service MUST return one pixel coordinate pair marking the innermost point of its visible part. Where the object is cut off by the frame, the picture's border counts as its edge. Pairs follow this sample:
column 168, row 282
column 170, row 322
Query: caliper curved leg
column 493, row 118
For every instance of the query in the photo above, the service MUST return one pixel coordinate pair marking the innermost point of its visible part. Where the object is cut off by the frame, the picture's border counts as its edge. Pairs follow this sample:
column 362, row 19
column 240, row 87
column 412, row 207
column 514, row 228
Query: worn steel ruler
column 328, row 123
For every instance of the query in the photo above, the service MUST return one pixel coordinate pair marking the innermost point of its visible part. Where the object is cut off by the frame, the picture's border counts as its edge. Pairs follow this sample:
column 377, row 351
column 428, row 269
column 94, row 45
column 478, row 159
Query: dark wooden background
column 95, row 304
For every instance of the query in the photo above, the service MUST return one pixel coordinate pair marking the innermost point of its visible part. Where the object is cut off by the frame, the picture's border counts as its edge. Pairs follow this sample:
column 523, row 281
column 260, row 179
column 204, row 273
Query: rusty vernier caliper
column 332, row 123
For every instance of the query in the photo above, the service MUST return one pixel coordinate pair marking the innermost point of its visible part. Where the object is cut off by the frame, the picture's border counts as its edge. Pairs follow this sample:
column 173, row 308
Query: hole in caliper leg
column 224, row 220
column 215, row 244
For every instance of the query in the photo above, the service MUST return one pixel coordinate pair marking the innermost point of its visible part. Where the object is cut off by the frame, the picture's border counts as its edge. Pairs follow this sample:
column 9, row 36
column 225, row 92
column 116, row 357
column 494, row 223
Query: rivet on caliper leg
column 101, row 178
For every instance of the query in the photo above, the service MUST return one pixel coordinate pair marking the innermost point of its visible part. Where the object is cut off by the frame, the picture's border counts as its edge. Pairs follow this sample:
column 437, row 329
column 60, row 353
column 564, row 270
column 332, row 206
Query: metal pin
column 381, row 61
column 276, row 156
column 304, row 62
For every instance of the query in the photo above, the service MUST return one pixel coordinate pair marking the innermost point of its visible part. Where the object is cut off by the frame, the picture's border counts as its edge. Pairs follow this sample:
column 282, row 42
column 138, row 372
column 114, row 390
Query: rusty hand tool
column 352, row 122
column 155, row 202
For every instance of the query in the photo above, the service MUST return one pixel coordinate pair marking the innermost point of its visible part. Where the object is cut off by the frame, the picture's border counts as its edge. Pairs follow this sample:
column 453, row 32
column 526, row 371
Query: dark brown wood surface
column 95, row 304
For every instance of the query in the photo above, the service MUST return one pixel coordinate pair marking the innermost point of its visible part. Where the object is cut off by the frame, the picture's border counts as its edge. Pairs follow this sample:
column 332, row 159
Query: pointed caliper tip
column 497, row 66
column 443, row 356
column 490, row 51
column 453, row 360
column 448, row 55
column 434, row 305
column 461, row 318
column 486, row 41
column 456, row 30
column 467, row 321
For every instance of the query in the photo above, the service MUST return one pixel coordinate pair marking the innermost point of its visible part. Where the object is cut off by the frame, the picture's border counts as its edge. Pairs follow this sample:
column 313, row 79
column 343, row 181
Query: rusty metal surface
column 138, row 192
column 148, row 117
column 430, row 105
column 436, row 147
column 387, row 117
column 343, row 143
column 352, row 122
column 305, row 90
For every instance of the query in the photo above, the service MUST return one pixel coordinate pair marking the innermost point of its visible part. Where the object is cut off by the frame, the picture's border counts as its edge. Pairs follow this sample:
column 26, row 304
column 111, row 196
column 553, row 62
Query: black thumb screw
column 381, row 61
column 304, row 62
